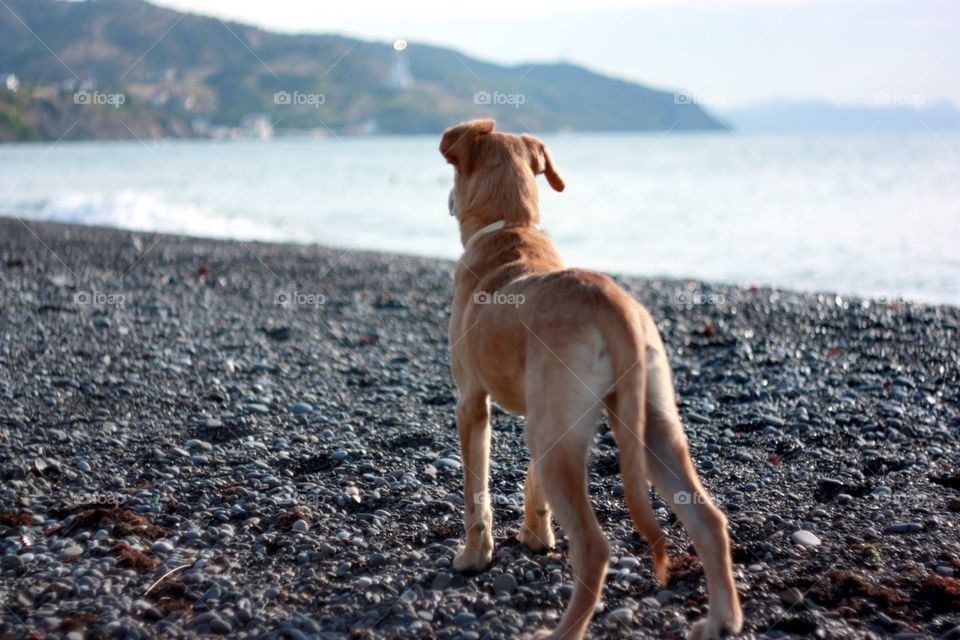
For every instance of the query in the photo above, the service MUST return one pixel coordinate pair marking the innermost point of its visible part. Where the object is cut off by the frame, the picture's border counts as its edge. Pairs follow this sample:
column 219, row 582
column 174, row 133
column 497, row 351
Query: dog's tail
column 622, row 332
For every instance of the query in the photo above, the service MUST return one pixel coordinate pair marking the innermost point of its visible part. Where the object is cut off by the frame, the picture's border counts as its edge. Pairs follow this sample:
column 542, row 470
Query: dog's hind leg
column 561, row 470
column 561, row 421
column 676, row 479
column 473, row 426
column 537, row 530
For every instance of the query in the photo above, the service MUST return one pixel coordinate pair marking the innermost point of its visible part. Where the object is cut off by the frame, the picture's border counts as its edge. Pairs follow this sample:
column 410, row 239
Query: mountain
column 46, row 115
column 893, row 113
column 187, row 67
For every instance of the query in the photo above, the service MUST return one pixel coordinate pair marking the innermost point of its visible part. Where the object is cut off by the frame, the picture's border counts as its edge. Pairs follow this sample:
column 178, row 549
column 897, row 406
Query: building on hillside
column 400, row 77
column 256, row 125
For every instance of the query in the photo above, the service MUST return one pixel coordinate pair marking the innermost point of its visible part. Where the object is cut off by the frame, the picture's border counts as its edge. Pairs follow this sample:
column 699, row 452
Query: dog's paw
column 715, row 628
column 543, row 634
column 536, row 540
column 473, row 560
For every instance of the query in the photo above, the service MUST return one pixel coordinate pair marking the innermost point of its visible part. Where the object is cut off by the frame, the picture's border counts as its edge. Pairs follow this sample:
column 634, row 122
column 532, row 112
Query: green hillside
column 188, row 66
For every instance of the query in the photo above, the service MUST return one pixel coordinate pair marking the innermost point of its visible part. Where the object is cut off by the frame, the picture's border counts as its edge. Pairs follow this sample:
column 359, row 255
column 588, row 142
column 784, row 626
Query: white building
column 256, row 125
column 10, row 81
column 400, row 76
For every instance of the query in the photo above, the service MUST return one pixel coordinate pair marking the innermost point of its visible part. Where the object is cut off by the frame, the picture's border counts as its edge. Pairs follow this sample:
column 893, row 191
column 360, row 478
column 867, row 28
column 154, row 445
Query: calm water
column 876, row 215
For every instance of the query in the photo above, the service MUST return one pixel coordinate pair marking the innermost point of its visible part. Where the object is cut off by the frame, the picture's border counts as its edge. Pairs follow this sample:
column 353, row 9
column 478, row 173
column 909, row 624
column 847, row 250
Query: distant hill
column 26, row 117
column 892, row 114
column 185, row 67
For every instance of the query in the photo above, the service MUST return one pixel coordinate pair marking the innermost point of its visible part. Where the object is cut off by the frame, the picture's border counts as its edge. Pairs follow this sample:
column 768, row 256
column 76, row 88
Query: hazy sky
column 727, row 52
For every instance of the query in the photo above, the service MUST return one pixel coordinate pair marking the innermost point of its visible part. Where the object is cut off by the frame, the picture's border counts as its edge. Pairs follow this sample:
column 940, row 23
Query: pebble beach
column 203, row 437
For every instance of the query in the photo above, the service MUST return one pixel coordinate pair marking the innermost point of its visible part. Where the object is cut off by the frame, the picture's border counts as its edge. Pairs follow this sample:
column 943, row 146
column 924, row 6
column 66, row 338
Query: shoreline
column 294, row 459
column 678, row 281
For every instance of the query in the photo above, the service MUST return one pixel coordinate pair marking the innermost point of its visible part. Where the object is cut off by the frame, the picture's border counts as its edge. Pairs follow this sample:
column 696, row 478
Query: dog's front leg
column 473, row 425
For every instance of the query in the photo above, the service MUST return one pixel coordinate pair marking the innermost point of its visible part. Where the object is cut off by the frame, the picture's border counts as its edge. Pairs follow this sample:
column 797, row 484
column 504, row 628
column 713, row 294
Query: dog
column 560, row 346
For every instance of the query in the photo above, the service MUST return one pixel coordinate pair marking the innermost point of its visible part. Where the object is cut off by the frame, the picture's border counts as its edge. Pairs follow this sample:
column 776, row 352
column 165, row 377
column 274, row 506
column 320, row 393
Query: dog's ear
column 459, row 144
column 542, row 162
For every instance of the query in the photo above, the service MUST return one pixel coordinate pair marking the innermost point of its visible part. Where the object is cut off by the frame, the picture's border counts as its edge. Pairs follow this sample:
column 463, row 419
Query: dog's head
column 495, row 173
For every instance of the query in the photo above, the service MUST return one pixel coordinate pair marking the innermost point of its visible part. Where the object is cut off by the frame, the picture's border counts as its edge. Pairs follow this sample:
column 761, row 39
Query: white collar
column 490, row 228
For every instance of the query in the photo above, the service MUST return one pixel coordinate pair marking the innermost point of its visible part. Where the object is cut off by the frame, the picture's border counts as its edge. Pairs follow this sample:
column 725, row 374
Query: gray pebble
column 72, row 551
column 805, row 538
column 504, row 583
column 791, row 597
column 447, row 463
column 162, row 546
column 621, row 616
column 441, row 581
column 300, row 526
column 903, row 527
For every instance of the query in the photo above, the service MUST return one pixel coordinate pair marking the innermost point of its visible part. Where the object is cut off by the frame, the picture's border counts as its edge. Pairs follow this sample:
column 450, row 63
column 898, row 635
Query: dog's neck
column 479, row 233
column 493, row 227
column 482, row 208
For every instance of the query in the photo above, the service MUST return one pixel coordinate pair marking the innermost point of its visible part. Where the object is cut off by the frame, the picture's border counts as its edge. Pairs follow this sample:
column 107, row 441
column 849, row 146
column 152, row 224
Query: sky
column 724, row 53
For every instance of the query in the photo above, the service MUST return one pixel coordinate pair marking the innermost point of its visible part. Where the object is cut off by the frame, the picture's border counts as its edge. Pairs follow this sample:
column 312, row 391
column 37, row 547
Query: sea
column 874, row 215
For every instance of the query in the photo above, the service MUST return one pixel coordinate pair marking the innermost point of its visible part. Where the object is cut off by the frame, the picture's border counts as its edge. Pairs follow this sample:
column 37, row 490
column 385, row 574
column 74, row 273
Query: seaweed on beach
column 135, row 559
column 121, row 522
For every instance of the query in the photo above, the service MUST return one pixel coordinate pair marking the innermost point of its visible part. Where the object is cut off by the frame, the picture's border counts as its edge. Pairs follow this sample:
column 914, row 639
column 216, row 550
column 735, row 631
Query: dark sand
column 297, row 464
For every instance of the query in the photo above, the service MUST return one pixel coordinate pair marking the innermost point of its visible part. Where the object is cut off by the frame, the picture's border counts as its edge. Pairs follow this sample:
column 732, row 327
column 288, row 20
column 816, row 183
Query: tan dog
column 559, row 345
